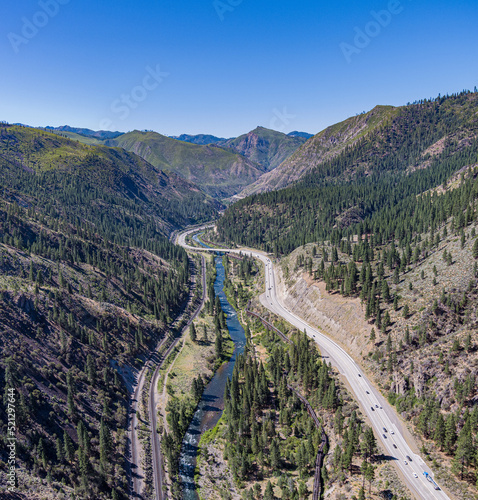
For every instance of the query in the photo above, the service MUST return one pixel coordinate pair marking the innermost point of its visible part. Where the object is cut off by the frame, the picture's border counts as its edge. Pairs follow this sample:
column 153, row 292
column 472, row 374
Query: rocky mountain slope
column 379, row 248
column 40, row 164
column 265, row 147
column 382, row 173
column 323, row 146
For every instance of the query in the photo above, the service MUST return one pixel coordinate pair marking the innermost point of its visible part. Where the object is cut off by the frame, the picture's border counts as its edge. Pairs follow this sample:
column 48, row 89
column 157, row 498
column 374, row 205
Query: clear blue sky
column 230, row 65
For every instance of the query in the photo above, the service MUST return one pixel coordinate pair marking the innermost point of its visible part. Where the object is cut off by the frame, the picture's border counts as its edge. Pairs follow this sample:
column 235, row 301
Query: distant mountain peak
column 97, row 134
column 304, row 135
column 201, row 139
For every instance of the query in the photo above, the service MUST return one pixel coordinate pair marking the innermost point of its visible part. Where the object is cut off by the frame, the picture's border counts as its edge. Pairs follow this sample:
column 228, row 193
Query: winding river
column 211, row 406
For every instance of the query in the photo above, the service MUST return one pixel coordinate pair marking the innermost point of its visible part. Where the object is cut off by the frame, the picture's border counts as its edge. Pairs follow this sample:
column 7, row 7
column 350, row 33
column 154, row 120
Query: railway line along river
column 211, row 406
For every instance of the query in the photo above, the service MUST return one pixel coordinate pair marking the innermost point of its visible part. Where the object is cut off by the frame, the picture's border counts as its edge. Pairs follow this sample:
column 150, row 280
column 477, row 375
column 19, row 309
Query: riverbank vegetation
column 267, row 438
column 206, row 345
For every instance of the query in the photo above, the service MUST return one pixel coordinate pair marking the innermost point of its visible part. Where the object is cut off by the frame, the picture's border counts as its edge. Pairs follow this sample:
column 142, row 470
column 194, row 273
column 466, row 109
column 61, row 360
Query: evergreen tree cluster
column 391, row 201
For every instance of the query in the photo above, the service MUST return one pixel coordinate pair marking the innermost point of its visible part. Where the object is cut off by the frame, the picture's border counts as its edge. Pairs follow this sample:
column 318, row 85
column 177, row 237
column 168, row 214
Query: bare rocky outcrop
column 341, row 318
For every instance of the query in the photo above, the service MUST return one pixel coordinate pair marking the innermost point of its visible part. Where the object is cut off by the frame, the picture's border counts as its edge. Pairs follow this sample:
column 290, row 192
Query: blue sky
column 226, row 66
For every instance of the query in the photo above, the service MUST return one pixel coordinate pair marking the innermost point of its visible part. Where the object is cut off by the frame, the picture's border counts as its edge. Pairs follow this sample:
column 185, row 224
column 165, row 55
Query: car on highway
column 376, row 406
column 405, row 462
column 409, row 459
column 415, row 474
column 372, row 408
column 394, row 445
column 359, row 375
column 384, row 429
column 384, row 436
column 391, row 432
column 367, row 392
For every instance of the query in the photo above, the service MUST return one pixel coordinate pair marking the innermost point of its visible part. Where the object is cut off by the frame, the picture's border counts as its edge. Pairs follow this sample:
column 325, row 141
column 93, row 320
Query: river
column 211, row 406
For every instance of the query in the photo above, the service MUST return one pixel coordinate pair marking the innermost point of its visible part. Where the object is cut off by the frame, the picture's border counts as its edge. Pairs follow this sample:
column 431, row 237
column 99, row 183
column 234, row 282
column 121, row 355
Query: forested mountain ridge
column 202, row 139
column 218, row 172
column 409, row 136
column 86, row 132
column 44, row 165
column 88, row 284
column 323, row 146
column 382, row 174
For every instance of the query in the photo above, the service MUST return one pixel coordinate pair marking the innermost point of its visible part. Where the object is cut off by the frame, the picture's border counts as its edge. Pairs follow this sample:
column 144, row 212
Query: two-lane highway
column 381, row 415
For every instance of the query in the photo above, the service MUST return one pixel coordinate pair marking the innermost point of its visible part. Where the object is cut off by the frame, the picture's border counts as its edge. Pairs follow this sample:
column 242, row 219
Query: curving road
column 381, row 415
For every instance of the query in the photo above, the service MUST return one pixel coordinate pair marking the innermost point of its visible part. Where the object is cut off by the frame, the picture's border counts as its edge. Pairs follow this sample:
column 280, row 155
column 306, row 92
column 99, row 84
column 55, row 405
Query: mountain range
column 220, row 167
column 380, row 209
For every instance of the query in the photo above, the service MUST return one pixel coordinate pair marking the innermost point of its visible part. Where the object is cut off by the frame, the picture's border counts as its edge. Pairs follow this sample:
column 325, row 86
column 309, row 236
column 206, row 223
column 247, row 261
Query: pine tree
column 192, row 332
column 275, row 455
column 68, row 447
column 269, row 493
column 475, row 249
column 361, row 494
column 439, row 434
column 385, row 291
column 450, row 434
column 464, row 447
column 218, row 345
column 105, row 444
column 372, row 335
column 370, row 477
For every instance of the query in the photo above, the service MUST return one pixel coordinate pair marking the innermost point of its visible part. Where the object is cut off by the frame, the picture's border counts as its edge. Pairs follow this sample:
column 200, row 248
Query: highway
column 381, row 415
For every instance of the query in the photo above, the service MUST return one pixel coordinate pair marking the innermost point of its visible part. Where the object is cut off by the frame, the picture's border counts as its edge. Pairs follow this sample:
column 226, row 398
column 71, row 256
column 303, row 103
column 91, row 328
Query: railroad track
column 317, row 491
column 158, row 467
column 154, row 362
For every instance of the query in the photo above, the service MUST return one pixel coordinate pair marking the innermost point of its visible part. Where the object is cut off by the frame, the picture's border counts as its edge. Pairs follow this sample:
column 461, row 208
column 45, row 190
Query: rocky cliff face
column 265, row 147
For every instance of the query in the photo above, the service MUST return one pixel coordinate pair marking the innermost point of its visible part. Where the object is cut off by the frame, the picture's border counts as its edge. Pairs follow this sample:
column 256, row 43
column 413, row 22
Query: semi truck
column 430, row 479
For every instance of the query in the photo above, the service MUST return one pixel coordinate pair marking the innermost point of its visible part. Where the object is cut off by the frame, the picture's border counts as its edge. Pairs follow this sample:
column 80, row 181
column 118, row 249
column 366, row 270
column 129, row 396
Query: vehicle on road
column 405, row 462
column 430, row 479
column 415, row 474
column 367, row 392
column 384, row 429
column 391, row 432
column 359, row 375
column 384, row 436
column 394, row 445
column 409, row 459
column 372, row 408
column 376, row 406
